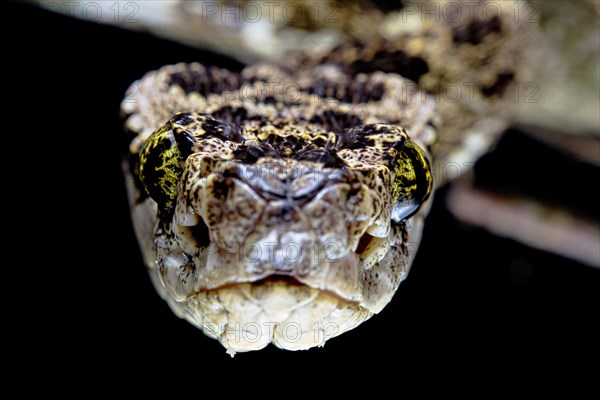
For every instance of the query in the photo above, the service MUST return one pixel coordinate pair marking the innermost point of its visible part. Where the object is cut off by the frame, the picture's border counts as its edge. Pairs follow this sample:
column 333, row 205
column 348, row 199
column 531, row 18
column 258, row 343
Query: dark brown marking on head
column 249, row 154
column 397, row 61
column 184, row 119
column 354, row 92
column 389, row 6
column 232, row 115
column 476, row 30
column 205, row 80
column 335, row 121
column 357, row 137
column 316, row 155
column 499, row 87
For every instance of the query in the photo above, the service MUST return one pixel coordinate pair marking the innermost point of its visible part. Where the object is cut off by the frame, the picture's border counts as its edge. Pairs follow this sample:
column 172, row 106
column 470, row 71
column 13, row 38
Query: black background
column 474, row 305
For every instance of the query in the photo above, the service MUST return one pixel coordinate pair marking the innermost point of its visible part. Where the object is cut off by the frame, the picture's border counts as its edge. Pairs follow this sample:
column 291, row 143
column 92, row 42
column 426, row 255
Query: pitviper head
column 272, row 231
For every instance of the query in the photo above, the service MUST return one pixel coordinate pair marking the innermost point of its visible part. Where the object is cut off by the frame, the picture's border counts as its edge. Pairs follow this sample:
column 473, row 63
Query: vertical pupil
column 413, row 183
column 159, row 167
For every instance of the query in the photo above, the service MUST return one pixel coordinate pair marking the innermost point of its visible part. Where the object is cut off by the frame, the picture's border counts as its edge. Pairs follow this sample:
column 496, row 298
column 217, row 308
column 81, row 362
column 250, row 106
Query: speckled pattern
column 283, row 204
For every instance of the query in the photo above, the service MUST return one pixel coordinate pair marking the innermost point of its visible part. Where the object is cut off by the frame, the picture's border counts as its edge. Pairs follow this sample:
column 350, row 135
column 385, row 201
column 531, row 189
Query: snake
column 284, row 203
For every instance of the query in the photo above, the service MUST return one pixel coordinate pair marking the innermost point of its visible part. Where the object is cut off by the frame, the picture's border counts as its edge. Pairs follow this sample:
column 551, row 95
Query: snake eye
column 164, row 153
column 391, row 146
column 413, row 183
column 161, row 166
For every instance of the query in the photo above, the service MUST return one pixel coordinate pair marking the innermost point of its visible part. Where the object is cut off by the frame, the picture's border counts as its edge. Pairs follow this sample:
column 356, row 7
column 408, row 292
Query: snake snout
column 288, row 179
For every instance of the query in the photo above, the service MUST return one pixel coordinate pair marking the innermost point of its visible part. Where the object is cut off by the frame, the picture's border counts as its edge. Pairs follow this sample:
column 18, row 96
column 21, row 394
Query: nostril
column 200, row 233
column 371, row 249
column 285, row 212
column 192, row 240
column 364, row 244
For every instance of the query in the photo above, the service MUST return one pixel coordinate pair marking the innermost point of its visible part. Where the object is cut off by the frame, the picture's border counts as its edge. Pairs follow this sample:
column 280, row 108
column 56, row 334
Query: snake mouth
column 277, row 309
column 287, row 281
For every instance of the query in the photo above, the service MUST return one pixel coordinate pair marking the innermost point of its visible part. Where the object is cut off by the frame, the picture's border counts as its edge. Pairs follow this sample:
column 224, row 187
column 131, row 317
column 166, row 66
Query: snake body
column 284, row 203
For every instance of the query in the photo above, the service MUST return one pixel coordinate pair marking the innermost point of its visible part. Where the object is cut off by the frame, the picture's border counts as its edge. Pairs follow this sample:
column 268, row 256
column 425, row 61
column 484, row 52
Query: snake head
column 279, row 214
column 290, row 214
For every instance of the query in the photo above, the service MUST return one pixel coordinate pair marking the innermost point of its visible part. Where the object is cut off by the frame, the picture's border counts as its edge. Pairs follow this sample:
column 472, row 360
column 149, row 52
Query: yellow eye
column 160, row 166
column 164, row 153
column 413, row 183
